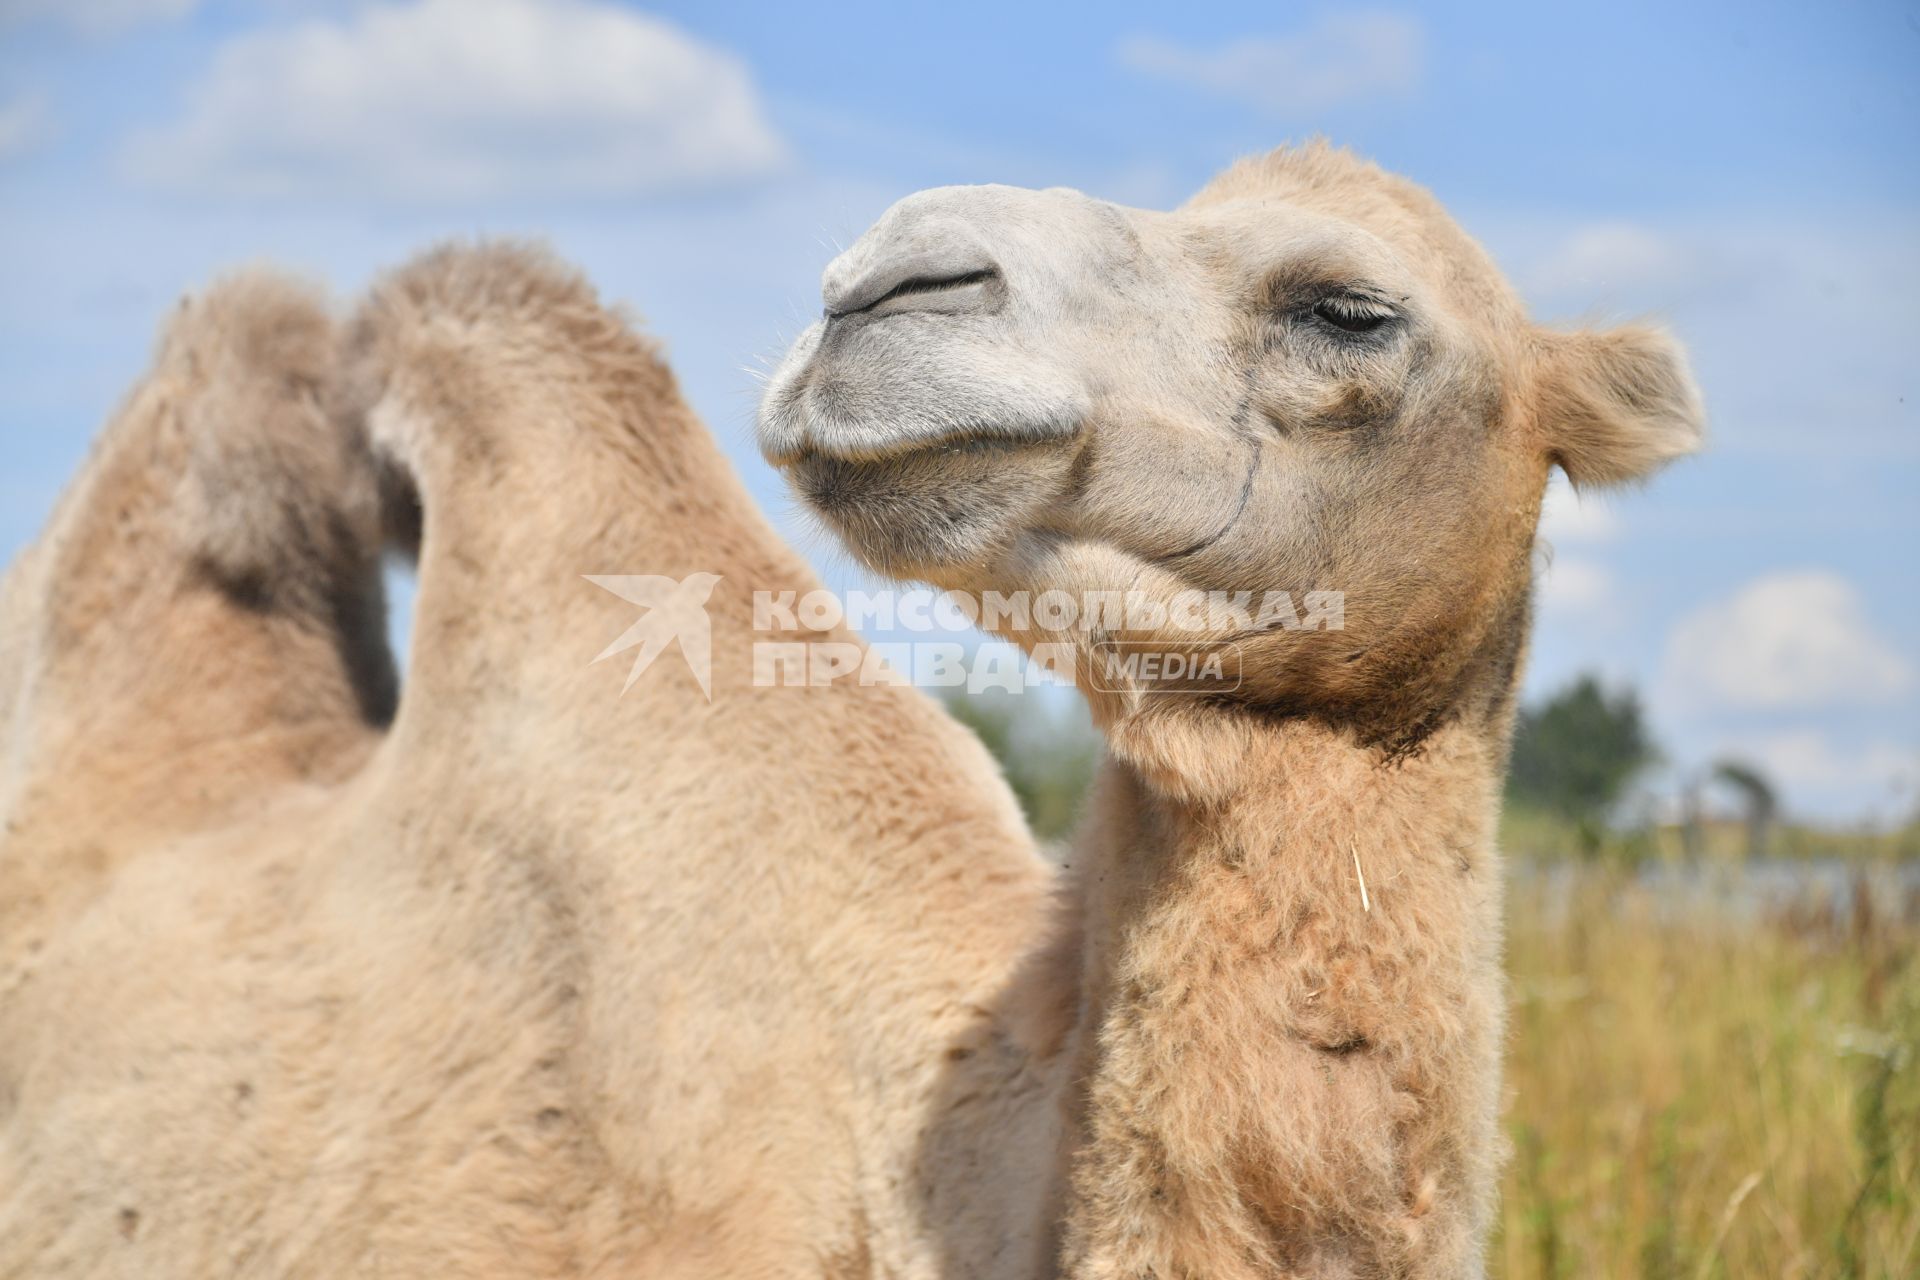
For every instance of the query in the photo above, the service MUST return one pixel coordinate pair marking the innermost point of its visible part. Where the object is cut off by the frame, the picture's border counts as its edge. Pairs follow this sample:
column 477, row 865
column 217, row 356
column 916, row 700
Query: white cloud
column 1809, row 758
column 457, row 99
column 95, row 17
column 23, row 123
column 1568, row 516
column 1575, row 586
column 1878, row 778
column 1797, row 640
column 1341, row 58
column 1613, row 258
column 1770, row 311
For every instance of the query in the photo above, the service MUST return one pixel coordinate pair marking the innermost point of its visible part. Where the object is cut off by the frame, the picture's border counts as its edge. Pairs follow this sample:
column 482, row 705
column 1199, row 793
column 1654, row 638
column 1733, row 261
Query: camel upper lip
column 860, row 388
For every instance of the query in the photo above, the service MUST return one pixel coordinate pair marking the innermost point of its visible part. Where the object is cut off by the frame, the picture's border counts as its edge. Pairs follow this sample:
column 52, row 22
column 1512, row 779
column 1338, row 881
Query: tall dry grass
column 1700, row 1092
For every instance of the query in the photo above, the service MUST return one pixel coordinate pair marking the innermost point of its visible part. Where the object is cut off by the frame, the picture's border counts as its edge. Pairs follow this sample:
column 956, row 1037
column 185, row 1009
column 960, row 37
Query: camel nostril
column 948, row 269
column 959, row 291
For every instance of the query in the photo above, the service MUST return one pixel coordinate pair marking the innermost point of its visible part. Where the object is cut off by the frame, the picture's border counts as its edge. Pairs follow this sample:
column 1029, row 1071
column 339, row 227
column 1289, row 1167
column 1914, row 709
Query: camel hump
column 277, row 499
column 223, row 466
column 208, row 590
column 482, row 357
column 536, row 438
column 488, row 282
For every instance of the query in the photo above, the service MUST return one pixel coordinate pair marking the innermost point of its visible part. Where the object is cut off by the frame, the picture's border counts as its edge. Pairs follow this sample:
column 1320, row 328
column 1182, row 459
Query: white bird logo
column 674, row 611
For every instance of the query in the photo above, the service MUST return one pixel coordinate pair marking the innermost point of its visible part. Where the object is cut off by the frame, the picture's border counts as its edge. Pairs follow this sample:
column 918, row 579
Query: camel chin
column 922, row 513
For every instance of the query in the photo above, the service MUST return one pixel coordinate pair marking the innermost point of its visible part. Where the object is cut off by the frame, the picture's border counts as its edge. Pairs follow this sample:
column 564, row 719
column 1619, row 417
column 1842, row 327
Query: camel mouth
column 912, row 511
column 856, row 443
column 834, row 481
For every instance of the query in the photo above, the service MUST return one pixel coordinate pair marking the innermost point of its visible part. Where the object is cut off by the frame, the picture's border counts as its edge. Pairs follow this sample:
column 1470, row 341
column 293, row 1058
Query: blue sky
column 1745, row 173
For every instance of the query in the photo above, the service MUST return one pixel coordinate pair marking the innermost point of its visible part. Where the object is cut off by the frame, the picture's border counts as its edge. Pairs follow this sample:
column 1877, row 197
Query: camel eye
column 1351, row 313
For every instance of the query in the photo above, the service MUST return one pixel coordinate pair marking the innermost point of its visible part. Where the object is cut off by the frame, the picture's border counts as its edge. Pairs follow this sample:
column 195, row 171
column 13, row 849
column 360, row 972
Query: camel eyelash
column 1354, row 312
column 1341, row 310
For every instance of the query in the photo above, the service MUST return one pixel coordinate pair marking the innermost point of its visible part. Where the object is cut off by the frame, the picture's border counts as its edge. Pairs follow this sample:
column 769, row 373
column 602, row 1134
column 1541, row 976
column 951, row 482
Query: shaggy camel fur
column 523, row 977
column 1287, row 1057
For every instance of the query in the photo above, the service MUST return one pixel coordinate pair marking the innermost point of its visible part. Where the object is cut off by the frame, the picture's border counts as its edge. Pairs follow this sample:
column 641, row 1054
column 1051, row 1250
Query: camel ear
column 1614, row 406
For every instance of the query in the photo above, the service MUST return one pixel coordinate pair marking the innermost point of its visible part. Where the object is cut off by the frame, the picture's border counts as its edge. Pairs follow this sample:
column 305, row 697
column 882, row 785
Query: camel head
column 1306, row 379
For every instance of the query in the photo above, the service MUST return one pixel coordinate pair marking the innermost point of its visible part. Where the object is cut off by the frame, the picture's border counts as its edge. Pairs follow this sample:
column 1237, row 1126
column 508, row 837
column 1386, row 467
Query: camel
column 1306, row 380
column 507, row 972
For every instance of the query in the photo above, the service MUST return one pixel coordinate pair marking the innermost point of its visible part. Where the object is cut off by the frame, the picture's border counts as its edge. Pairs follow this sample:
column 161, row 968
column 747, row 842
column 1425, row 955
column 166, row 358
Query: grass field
column 1698, row 1093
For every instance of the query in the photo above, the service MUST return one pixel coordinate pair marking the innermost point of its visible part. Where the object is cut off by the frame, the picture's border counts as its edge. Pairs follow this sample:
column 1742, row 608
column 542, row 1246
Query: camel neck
column 1280, row 827
column 1293, row 950
column 1257, row 793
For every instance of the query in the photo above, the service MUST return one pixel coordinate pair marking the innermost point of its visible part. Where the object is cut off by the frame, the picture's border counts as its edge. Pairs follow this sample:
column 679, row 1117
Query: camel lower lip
column 947, row 446
column 831, row 483
column 911, row 511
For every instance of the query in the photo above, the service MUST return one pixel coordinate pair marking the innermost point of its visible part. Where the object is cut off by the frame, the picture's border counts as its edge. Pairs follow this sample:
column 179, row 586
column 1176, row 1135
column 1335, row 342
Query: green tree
column 1575, row 754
